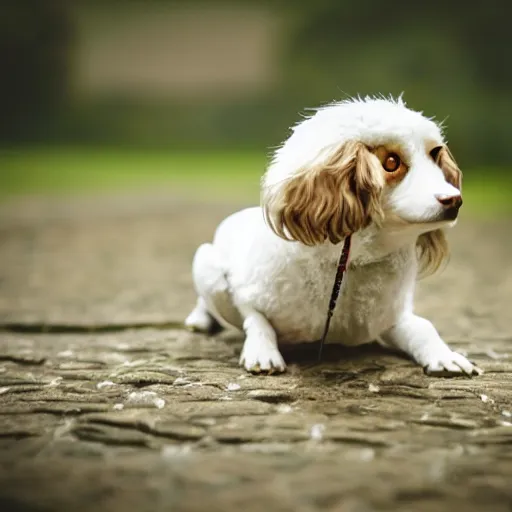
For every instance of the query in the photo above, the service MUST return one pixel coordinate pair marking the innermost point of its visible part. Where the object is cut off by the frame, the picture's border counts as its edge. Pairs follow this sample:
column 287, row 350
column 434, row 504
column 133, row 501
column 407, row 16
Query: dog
column 367, row 167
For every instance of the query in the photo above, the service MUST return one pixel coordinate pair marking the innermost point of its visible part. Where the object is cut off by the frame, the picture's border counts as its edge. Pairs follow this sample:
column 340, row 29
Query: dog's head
column 360, row 162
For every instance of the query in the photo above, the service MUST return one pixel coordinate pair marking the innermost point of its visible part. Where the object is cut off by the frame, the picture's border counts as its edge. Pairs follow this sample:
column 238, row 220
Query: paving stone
column 107, row 404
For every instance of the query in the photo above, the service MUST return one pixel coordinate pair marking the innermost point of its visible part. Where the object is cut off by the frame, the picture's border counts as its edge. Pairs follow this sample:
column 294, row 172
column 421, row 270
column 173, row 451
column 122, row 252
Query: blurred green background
column 119, row 94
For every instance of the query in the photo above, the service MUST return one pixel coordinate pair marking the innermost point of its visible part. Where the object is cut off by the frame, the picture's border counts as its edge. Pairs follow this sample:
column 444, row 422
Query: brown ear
column 329, row 201
column 450, row 168
column 432, row 250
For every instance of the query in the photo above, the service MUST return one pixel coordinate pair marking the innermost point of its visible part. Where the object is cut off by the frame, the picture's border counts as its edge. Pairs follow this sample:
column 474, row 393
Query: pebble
column 317, row 432
column 145, row 398
column 104, row 384
column 373, row 388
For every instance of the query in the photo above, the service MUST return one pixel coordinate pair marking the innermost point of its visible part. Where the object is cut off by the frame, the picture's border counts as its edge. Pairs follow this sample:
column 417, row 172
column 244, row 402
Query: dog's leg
column 419, row 339
column 260, row 352
column 200, row 319
column 215, row 308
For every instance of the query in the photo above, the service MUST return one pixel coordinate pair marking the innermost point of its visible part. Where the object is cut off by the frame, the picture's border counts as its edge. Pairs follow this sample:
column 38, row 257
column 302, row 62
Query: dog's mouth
column 447, row 215
column 450, row 213
column 442, row 219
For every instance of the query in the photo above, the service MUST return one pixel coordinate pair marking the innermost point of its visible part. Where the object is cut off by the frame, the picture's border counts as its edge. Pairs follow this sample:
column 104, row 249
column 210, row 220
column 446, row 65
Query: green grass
column 213, row 175
column 75, row 171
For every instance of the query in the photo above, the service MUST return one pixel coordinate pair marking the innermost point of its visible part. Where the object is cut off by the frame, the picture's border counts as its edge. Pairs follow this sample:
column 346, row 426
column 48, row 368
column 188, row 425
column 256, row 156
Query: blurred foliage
column 216, row 175
column 450, row 59
column 35, row 41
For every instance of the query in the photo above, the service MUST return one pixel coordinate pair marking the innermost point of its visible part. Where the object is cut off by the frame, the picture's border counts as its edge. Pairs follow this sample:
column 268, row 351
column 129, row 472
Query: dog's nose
column 450, row 202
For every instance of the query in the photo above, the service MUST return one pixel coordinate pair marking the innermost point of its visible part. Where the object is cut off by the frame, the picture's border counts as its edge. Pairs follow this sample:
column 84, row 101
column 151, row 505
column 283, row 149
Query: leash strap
column 342, row 267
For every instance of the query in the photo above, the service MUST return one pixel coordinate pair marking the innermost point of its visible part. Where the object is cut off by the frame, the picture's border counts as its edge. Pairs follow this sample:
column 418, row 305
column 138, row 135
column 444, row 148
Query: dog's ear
column 329, row 200
column 432, row 249
column 449, row 167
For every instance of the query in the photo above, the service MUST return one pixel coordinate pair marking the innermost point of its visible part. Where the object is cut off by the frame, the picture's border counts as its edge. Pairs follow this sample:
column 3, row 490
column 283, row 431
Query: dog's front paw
column 261, row 356
column 450, row 364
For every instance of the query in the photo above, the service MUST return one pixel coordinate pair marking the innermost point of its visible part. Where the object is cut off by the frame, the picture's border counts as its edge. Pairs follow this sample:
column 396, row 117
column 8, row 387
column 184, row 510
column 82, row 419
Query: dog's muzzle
column 451, row 206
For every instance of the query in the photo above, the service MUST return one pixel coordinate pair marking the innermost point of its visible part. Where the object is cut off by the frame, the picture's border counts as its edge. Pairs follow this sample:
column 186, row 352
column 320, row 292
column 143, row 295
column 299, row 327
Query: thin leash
column 342, row 267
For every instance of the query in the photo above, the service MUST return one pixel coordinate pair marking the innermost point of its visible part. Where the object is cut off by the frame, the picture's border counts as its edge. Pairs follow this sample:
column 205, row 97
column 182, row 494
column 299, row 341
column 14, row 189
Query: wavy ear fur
column 432, row 246
column 450, row 168
column 327, row 201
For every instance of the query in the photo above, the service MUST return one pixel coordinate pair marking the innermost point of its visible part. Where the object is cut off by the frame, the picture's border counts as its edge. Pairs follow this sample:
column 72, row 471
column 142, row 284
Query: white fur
column 278, row 291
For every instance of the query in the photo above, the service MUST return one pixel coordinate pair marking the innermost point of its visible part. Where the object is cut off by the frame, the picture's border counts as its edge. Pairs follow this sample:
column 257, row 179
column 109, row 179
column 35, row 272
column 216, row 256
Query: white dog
column 368, row 167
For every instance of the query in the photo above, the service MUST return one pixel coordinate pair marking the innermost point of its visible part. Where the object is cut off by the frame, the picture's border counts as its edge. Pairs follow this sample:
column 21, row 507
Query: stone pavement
column 107, row 404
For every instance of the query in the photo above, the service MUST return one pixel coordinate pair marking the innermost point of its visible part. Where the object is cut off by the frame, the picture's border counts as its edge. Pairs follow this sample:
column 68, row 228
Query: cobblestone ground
column 107, row 404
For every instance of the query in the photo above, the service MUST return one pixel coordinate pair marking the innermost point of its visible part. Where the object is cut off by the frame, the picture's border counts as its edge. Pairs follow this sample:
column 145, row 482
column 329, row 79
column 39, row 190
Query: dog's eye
column 435, row 153
column 391, row 163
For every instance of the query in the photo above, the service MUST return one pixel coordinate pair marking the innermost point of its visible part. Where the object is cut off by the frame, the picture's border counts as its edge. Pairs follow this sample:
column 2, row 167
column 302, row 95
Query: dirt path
column 102, row 411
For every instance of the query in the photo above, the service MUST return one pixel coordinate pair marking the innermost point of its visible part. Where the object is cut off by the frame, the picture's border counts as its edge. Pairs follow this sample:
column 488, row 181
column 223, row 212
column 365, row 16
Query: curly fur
column 432, row 250
column 330, row 201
